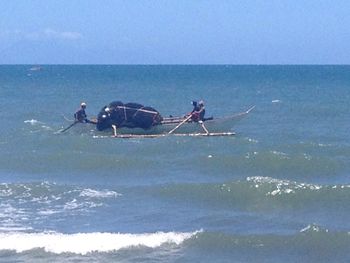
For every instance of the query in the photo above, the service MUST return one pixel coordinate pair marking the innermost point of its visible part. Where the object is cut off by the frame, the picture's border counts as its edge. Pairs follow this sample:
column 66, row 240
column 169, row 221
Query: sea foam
column 280, row 187
column 33, row 122
column 99, row 194
column 84, row 243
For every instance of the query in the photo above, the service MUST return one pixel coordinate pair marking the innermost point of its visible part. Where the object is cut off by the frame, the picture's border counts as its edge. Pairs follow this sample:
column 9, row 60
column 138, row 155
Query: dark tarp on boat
column 130, row 115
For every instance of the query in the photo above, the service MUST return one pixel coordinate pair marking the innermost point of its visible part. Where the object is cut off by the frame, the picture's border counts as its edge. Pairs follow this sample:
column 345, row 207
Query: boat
column 36, row 68
column 180, row 126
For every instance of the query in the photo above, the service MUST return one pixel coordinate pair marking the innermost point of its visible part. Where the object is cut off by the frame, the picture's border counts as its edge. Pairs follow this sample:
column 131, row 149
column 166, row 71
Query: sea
column 277, row 191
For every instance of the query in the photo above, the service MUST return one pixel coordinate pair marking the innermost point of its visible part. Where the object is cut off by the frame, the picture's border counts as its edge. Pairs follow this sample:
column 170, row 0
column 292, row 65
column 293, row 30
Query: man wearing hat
column 198, row 111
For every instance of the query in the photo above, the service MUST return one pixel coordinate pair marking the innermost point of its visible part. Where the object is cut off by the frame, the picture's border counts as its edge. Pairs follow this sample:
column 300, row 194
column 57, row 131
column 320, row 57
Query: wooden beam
column 127, row 136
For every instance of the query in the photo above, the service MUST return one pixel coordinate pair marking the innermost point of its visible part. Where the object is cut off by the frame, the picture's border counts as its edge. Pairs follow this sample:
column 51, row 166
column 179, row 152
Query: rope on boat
column 140, row 109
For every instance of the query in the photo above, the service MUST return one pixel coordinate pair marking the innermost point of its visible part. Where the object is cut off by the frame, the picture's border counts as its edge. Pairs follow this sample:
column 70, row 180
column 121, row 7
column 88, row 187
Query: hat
column 83, row 104
column 201, row 102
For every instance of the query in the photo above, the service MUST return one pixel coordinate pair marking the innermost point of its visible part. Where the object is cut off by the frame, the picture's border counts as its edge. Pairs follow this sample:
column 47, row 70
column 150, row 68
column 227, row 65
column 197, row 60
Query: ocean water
column 277, row 191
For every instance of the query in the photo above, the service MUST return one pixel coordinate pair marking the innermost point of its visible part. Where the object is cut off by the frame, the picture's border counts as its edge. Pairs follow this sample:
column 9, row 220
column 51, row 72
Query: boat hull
column 224, row 124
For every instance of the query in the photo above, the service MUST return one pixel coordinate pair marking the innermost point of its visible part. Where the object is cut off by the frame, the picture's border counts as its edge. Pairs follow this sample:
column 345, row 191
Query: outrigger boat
column 179, row 126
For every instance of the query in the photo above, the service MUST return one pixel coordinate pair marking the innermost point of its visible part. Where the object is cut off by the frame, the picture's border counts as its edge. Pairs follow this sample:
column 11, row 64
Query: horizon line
column 164, row 64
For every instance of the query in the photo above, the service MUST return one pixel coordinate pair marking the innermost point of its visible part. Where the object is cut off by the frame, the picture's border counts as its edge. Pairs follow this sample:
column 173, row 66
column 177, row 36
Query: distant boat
column 36, row 68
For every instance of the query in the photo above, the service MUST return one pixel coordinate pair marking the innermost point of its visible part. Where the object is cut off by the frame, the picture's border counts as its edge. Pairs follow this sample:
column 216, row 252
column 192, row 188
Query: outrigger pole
column 178, row 126
column 207, row 133
column 70, row 126
column 137, row 136
column 203, row 126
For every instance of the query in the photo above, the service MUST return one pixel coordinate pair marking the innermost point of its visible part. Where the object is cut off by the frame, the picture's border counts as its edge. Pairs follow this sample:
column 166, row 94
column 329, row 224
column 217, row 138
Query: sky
column 174, row 32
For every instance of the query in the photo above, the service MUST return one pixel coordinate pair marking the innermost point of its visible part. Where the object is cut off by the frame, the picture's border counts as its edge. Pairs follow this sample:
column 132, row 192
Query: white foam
column 281, row 155
column 12, row 218
column 33, row 122
column 15, row 228
column 282, row 186
column 48, row 212
column 6, row 191
column 252, row 140
column 73, row 204
column 276, row 101
column 46, row 128
column 83, row 243
column 313, row 228
column 98, row 194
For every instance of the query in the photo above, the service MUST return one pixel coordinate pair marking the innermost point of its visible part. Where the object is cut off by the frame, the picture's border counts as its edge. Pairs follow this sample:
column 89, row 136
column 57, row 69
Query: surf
column 84, row 243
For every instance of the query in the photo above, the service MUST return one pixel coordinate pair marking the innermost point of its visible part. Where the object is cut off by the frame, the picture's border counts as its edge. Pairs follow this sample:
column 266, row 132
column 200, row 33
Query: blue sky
column 175, row 32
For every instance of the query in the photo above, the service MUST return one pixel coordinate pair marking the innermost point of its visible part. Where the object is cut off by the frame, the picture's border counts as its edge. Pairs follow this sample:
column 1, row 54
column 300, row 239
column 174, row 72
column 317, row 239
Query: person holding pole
column 198, row 111
column 80, row 114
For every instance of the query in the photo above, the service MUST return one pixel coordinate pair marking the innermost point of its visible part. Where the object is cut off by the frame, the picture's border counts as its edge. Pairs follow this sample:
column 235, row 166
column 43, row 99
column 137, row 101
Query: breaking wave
column 84, row 243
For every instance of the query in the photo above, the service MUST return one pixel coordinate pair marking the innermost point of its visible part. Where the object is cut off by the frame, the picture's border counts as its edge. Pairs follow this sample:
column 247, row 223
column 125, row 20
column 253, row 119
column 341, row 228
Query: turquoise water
column 278, row 191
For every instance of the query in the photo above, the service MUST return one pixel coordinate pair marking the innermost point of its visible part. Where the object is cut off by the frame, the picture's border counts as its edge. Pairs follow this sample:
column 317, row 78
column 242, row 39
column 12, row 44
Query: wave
column 23, row 204
column 34, row 189
column 37, row 127
column 312, row 244
column 47, row 192
column 279, row 187
column 260, row 193
column 253, row 156
column 84, row 243
column 98, row 194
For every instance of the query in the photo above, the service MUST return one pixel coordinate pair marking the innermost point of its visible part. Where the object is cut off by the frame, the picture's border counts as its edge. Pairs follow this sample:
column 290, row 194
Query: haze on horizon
column 175, row 32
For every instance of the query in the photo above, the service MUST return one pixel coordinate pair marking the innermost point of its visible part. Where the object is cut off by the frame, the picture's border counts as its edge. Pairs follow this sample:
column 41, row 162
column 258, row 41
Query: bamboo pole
column 137, row 136
column 178, row 126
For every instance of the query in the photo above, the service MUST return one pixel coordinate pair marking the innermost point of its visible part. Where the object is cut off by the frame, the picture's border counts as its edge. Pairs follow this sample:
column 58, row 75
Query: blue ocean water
column 277, row 191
